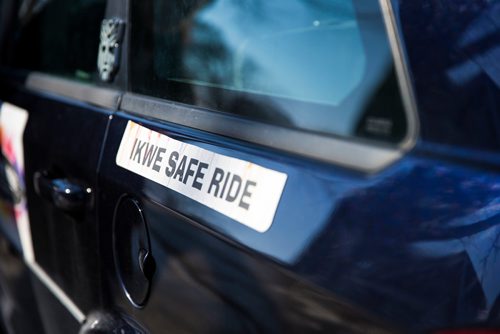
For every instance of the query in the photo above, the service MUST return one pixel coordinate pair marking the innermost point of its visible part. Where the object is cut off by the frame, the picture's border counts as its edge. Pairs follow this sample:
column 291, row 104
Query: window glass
column 59, row 37
column 317, row 65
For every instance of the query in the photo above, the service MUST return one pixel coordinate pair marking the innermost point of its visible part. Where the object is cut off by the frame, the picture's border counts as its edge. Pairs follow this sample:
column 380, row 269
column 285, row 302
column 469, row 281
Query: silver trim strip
column 99, row 96
column 352, row 154
column 57, row 291
column 403, row 74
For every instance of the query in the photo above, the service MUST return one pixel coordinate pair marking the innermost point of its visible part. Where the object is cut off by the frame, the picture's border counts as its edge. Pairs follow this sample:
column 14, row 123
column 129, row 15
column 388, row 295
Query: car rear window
column 321, row 65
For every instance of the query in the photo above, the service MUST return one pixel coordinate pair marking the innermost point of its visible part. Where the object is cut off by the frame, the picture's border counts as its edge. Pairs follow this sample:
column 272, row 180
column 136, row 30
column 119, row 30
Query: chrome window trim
column 403, row 75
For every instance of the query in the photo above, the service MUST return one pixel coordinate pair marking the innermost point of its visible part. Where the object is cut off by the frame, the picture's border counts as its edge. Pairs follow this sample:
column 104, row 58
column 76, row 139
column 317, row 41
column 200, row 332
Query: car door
column 234, row 170
column 48, row 81
column 236, row 167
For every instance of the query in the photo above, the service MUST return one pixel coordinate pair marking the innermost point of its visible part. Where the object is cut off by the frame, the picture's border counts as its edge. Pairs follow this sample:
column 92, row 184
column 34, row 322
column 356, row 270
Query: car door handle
column 65, row 194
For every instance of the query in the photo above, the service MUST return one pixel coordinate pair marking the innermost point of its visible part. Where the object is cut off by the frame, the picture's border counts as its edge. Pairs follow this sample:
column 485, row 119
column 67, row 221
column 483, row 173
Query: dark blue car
column 249, row 166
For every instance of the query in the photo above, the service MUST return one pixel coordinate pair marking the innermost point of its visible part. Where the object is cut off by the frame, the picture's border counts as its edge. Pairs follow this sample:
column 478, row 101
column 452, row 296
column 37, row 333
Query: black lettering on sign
column 149, row 154
column 232, row 195
column 189, row 171
column 172, row 162
column 216, row 179
column 138, row 150
column 133, row 148
column 180, row 169
column 246, row 194
column 199, row 175
column 230, row 187
column 159, row 158
column 225, row 184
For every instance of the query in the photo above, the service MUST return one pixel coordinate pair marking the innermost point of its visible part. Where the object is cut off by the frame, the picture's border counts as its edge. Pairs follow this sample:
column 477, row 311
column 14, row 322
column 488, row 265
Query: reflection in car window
column 322, row 66
column 59, row 37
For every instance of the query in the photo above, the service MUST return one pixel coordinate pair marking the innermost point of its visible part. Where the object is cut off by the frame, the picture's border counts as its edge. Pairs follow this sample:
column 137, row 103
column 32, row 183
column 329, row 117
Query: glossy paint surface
column 454, row 49
column 412, row 248
column 416, row 245
column 212, row 266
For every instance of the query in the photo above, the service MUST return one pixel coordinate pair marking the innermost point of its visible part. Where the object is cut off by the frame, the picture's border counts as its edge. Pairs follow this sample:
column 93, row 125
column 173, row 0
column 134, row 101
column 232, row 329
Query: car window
column 323, row 66
column 58, row 37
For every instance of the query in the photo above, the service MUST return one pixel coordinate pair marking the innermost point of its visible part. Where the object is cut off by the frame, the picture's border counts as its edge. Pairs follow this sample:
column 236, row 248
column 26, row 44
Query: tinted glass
column 322, row 66
column 59, row 37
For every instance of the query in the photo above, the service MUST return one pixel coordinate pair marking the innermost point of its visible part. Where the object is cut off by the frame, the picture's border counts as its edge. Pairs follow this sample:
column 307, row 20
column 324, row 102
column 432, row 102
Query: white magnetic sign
column 241, row 190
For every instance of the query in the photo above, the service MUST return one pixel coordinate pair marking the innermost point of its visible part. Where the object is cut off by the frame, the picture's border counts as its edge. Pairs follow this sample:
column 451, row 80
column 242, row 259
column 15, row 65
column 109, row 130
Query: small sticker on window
column 378, row 126
column 241, row 190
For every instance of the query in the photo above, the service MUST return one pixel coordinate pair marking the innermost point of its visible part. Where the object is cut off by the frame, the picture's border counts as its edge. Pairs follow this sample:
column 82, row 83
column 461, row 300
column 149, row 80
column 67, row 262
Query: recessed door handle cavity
column 65, row 194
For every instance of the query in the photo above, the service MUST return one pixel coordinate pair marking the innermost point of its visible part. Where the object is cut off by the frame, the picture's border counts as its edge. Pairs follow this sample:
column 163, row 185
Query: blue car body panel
column 415, row 246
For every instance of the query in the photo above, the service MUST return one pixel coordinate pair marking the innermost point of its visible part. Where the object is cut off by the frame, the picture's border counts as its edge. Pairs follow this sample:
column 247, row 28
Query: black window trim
column 84, row 92
column 348, row 153
column 359, row 154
